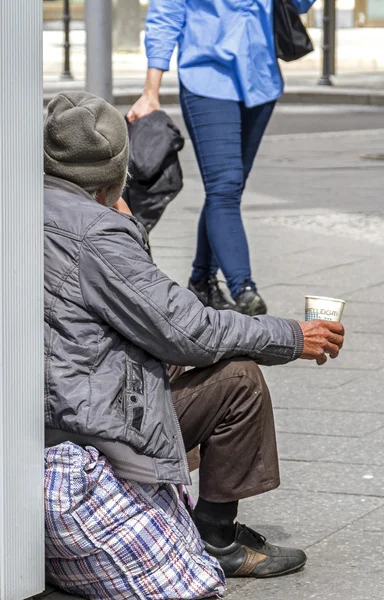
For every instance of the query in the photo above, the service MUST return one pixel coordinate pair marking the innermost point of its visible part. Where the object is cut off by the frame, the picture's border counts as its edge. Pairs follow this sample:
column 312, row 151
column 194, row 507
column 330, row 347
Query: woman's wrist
column 151, row 94
column 152, row 84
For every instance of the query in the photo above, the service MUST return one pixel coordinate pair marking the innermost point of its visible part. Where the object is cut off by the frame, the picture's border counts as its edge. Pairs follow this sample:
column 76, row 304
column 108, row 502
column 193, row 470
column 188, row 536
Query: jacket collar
column 56, row 183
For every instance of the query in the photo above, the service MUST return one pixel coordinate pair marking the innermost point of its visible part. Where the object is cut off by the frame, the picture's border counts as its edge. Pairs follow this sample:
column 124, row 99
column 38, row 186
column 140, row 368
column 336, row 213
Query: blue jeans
column 226, row 136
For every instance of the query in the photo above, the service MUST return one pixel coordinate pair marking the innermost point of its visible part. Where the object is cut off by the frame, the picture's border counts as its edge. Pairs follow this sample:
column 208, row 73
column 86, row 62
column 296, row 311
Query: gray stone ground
column 314, row 216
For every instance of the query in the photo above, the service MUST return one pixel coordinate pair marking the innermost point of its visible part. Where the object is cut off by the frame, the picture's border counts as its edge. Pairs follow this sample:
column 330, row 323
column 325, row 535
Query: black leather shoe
column 209, row 293
column 248, row 302
column 250, row 555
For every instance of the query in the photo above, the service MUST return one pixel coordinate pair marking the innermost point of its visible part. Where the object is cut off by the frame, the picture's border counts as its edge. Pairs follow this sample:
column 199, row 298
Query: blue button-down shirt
column 226, row 47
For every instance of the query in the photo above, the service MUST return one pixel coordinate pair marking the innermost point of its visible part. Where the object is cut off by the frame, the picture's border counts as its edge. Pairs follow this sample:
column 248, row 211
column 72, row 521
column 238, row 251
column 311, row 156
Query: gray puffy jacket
column 113, row 321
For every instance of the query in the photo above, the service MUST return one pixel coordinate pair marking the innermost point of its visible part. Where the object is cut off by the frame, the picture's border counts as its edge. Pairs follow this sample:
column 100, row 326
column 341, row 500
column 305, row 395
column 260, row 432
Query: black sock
column 215, row 521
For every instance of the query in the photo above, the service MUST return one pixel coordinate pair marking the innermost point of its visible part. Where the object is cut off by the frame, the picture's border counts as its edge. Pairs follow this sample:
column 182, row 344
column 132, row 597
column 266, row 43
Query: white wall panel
column 21, row 300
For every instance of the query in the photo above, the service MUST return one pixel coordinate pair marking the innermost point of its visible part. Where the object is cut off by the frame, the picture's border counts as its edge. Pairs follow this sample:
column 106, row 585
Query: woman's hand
column 145, row 105
column 149, row 101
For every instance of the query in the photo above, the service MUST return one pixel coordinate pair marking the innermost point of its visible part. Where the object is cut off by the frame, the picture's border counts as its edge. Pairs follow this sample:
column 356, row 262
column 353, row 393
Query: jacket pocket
column 135, row 377
column 134, row 396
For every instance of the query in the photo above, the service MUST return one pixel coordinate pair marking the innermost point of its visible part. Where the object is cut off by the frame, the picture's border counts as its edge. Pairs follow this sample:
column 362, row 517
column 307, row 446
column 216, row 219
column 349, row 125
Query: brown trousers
column 226, row 410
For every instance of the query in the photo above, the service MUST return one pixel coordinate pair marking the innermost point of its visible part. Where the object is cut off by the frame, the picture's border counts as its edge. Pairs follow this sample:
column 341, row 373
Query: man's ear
column 100, row 198
column 122, row 206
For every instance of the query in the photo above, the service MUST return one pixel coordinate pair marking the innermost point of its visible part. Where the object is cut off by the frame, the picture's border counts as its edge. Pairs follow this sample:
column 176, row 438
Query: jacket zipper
column 180, row 435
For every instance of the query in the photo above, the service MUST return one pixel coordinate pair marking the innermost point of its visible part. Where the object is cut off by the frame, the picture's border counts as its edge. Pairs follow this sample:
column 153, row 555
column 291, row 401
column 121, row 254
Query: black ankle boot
column 249, row 302
column 209, row 293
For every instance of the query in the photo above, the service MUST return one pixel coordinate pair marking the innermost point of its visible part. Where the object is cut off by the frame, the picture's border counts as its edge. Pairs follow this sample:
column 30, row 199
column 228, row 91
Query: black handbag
column 291, row 38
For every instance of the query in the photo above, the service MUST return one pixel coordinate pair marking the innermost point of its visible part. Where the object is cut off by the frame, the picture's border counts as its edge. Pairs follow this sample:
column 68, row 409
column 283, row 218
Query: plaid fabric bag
column 111, row 538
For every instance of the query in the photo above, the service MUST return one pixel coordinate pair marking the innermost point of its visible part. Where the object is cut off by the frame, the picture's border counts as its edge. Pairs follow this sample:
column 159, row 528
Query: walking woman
column 229, row 83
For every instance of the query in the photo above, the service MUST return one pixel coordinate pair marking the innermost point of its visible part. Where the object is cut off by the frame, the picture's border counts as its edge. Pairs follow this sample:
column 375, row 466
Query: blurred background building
column 351, row 13
column 358, row 45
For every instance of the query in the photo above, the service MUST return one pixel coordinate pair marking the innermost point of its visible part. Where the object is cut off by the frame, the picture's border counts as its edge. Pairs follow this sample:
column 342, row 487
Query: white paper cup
column 327, row 309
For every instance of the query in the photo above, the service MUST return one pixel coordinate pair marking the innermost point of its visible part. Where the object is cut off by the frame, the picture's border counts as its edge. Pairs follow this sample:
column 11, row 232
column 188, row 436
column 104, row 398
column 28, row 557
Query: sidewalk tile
column 322, row 422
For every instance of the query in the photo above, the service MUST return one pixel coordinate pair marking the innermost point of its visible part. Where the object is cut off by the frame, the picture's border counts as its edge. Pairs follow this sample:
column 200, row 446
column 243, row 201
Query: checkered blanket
column 111, row 538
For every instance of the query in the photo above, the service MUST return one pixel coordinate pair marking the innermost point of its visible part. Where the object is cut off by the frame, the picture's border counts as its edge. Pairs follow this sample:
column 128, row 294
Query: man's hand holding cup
column 321, row 338
column 323, row 332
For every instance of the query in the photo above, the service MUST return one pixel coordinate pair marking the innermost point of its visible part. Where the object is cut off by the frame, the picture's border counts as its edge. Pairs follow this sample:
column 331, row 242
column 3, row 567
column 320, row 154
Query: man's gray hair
column 113, row 193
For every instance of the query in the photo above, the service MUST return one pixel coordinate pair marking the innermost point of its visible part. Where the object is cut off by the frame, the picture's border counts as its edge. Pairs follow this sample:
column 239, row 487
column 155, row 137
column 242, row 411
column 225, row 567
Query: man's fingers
column 334, row 326
column 322, row 338
column 321, row 360
column 331, row 348
column 334, row 338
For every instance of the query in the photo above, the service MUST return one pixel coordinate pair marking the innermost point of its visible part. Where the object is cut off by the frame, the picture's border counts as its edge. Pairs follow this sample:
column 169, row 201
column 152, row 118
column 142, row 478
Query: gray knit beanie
column 85, row 141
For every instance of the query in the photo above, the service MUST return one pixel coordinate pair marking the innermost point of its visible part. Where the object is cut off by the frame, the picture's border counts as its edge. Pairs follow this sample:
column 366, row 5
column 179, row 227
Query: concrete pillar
column 98, row 25
column 21, row 301
column 126, row 25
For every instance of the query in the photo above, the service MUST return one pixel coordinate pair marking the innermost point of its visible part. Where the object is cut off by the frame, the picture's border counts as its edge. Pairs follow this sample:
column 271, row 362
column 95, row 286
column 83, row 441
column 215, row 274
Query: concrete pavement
column 314, row 215
column 313, row 212
column 293, row 119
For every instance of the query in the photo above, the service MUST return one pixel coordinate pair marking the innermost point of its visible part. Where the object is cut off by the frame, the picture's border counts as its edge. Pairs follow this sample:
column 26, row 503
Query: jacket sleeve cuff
column 299, row 339
column 158, row 63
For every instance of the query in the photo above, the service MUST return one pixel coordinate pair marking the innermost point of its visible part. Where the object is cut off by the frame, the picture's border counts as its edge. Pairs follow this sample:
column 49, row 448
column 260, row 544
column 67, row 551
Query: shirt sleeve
column 303, row 6
column 164, row 24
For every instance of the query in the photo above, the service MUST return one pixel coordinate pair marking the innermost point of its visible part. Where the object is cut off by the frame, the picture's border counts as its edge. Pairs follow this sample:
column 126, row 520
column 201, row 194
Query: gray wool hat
column 85, row 141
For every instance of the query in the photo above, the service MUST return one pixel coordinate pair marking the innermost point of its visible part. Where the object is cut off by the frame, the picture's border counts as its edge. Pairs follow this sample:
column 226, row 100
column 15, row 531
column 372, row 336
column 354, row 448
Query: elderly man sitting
column 114, row 321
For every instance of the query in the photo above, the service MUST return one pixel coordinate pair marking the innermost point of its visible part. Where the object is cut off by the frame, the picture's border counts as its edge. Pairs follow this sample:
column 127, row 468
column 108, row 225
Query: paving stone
column 328, row 169
column 168, row 263
column 235, row 587
column 282, row 241
column 372, row 293
column 350, row 391
column 376, row 327
column 58, row 595
column 180, row 237
column 49, row 589
column 346, row 277
column 302, row 519
column 362, row 480
column 373, row 521
column 341, row 566
column 322, row 422
column 292, row 267
column 364, row 341
column 307, row 447
column 365, row 451
column 309, row 379
column 163, row 252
